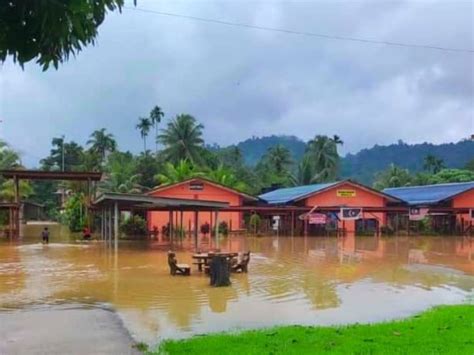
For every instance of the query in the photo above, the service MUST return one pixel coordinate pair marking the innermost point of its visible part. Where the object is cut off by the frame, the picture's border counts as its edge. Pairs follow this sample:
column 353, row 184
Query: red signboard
column 317, row 218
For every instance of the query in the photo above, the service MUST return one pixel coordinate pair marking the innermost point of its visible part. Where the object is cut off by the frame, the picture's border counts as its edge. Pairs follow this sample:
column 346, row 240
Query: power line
column 301, row 33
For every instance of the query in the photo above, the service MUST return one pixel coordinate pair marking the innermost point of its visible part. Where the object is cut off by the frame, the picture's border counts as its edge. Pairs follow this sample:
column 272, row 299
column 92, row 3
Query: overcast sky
column 243, row 82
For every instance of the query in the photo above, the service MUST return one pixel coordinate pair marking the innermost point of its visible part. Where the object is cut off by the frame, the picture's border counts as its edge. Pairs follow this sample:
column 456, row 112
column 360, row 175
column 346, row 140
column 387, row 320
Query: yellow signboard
column 346, row 193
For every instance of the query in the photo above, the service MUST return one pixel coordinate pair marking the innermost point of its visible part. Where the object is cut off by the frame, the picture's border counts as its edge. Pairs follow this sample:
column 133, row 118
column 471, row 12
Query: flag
column 351, row 213
column 417, row 213
column 317, row 218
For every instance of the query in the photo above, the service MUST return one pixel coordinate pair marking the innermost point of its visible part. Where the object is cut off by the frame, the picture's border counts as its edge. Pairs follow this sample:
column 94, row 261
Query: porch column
column 217, row 230
column 16, row 182
column 116, row 224
column 171, row 224
column 196, row 230
column 292, row 223
column 181, row 227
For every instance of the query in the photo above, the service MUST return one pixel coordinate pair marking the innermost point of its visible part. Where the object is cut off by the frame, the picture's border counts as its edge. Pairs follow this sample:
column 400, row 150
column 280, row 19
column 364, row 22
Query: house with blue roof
column 452, row 203
column 329, row 198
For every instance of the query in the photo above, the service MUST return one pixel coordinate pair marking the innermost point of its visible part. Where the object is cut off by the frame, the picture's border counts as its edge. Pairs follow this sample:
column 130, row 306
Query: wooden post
column 217, row 230
column 181, row 226
column 305, row 226
column 170, row 232
column 196, row 230
column 16, row 182
column 116, row 224
column 292, row 223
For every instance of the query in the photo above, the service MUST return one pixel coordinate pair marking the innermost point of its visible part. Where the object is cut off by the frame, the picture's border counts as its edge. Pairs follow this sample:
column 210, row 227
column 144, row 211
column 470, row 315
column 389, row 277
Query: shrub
column 255, row 222
column 134, row 225
column 224, row 228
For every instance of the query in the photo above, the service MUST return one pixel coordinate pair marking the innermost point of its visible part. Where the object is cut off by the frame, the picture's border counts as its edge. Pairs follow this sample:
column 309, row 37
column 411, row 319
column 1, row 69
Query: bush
column 75, row 213
column 134, row 225
column 255, row 222
column 224, row 228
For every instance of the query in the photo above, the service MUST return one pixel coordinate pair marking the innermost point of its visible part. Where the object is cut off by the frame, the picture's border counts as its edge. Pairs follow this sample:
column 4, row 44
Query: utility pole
column 62, row 151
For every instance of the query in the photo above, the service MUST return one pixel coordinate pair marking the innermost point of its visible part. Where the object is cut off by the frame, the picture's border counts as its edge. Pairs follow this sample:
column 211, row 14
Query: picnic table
column 205, row 258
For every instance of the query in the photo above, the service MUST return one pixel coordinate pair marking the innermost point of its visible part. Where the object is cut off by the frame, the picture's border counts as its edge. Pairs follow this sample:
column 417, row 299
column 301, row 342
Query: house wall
column 362, row 198
column 210, row 193
column 465, row 200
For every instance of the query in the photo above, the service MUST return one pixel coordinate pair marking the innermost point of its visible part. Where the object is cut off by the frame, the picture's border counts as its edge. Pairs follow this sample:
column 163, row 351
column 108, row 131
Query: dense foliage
column 50, row 31
column 181, row 154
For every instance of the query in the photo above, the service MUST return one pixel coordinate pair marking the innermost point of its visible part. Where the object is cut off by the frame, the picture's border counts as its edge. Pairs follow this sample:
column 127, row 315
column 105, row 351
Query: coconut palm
column 433, row 164
column 226, row 177
column 144, row 126
column 394, row 176
column 102, row 143
column 279, row 159
column 182, row 139
column 184, row 170
column 322, row 151
column 305, row 172
column 156, row 115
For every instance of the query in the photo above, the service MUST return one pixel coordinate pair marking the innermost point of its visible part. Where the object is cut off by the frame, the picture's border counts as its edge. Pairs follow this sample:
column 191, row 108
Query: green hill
column 363, row 165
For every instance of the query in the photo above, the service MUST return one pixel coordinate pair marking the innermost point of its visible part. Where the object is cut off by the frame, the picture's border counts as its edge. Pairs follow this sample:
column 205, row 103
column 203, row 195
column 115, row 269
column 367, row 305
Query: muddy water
column 290, row 281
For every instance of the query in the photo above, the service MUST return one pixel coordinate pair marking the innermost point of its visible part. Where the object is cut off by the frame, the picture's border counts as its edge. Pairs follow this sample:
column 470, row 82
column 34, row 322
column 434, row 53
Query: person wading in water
column 45, row 235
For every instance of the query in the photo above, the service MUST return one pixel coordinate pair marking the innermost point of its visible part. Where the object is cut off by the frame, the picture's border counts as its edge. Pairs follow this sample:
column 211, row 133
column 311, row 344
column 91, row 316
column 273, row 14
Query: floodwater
column 298, row 280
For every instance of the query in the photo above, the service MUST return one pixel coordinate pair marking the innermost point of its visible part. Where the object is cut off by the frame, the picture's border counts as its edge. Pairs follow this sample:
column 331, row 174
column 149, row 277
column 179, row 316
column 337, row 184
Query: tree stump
column 219, row 271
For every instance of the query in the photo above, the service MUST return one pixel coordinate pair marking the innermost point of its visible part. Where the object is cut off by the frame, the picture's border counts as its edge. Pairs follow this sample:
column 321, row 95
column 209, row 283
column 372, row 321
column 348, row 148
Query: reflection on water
column 291, row 280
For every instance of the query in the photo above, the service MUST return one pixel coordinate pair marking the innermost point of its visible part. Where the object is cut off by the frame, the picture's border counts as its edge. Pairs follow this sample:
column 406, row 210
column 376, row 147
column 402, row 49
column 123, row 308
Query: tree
column 469, row 165
column 182, row 139
column 73, row 154
column 322, row 151
column 433, row 164
column 156, row 115
column 50, row 31
column 144, row 125
column 305, row 172
column 452, row 175
column 121, row 174
column 226, row 177
column 279, row 159
column 394, row 176
column 102, row 143
column 182, row 171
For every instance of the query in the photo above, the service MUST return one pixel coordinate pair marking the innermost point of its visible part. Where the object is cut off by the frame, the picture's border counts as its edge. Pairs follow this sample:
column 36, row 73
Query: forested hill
column 254, row 148
column 363, row 165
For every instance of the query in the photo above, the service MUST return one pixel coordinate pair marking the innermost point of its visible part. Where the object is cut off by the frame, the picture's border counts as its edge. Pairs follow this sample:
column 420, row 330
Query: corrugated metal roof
column 429, row 194
column 289, row 194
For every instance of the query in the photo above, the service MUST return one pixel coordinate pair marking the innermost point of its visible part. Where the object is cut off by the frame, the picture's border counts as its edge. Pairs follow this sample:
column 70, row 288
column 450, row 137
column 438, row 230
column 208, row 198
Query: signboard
column 196, row 186
column 351, row 213
column 346, row 193
column 317, row 218
column 417, row 213
column 276, row 223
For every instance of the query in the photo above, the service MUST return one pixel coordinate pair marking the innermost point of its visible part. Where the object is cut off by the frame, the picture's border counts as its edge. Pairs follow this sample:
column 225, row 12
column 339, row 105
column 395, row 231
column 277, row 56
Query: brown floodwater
column 298, row 280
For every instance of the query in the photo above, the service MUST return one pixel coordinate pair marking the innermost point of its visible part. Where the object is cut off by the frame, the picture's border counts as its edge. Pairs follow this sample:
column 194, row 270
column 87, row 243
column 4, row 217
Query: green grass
column 441, row 330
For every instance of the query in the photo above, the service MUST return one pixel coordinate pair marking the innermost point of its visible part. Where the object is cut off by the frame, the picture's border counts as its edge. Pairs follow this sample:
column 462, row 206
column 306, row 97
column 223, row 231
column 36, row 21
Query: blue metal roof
column 429, row 194
column 289, row 194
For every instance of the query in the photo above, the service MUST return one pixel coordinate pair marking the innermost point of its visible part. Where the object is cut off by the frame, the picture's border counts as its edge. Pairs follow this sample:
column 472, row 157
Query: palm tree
column 433, row 164
column 336, row 139
column 324, row 156
column 394, row 176
column 279, row 158
column 226, row 177
column 182, row 139
column 172, row 174
column 144, row 126
column 305, row 173
column 102, row 143
column 156, row 115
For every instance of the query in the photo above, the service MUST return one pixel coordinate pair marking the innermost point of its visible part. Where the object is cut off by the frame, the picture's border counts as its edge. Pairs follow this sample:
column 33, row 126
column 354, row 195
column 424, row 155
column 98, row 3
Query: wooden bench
column 242, row 265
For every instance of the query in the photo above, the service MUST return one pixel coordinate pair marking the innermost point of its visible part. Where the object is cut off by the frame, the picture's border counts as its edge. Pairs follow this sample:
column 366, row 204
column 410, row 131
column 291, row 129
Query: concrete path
column 63, row 331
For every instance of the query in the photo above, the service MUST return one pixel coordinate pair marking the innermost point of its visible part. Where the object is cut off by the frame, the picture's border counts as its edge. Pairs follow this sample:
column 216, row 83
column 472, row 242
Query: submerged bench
column 177, row 269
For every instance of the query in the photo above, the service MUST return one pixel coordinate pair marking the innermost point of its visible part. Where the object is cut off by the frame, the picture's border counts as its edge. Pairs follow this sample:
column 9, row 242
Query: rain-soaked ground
column 298, row 280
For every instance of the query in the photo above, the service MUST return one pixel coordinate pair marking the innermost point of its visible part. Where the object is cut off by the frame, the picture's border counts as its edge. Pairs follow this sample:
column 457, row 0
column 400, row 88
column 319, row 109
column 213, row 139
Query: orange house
column 464, row 200
column 334, row 195
column 199, row 189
